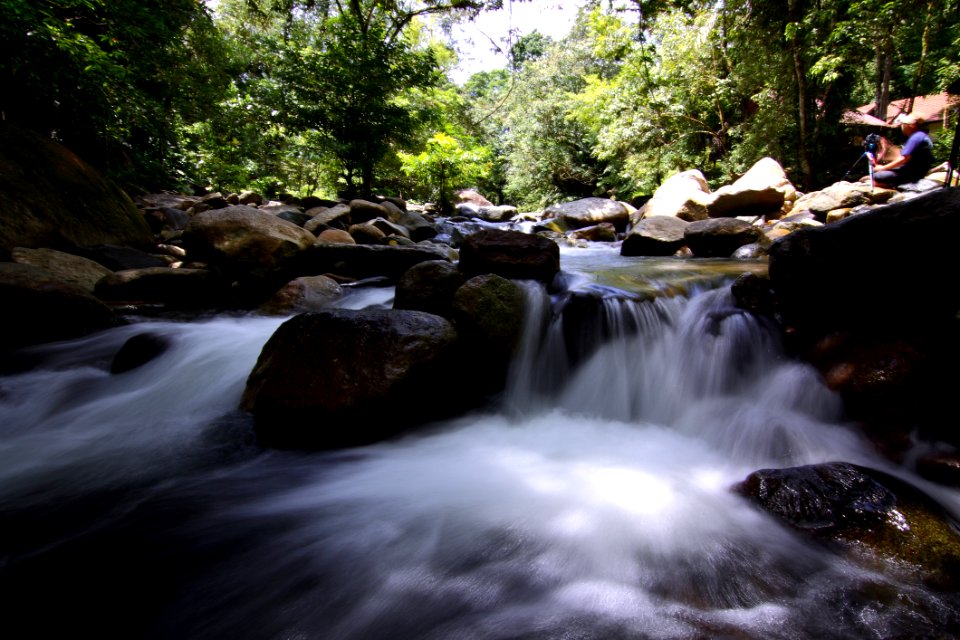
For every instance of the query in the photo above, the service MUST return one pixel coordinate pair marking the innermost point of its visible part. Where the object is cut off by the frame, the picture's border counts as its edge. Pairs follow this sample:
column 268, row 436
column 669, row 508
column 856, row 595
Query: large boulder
column 307, row 293
column 175, row 288
column 342, row 378
column 368, row 232
column 244, row 240
column 429, row 286
column 889, row 266
column 868, row 300
column 118, row 258
column 587, row 212
column 501, row 213
column 511, row 254
column 488, row 311
column 685, row 195
column 656, row 236
column 761, row 191
column 417, row 226
column 51, row 198
column 364, row 261
column 883, row 380
column 323, row 217
column 40, row 307
column 363, row 210
column 719, row 237
column 74, row 269
column 473, row 197
column 840, row 195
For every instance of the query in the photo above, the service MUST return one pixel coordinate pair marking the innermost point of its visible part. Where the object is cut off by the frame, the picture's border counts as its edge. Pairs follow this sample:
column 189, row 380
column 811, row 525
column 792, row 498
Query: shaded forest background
column 354, row 97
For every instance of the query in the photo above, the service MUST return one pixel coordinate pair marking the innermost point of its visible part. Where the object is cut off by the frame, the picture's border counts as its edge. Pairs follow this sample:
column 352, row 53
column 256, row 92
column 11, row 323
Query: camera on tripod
column 871, row 144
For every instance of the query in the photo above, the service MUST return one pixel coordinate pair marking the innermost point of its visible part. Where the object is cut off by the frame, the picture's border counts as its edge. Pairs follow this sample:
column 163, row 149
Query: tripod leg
column 853, row 166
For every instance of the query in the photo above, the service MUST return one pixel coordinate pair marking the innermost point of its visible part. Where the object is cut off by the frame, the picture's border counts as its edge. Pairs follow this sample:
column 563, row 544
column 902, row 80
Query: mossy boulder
column 49, row 197
column 873, row 517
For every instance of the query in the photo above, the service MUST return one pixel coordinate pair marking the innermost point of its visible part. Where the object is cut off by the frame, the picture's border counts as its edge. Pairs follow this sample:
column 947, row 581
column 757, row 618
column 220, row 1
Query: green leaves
column 446, row 164
column 111, row 79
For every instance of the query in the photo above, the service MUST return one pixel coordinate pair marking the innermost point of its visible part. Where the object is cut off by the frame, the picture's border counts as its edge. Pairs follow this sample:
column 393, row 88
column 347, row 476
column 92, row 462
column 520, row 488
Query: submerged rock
column 138, row 351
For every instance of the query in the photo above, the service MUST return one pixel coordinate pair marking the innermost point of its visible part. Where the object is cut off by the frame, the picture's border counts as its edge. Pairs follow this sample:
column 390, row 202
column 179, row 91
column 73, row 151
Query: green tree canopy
column 112, row 79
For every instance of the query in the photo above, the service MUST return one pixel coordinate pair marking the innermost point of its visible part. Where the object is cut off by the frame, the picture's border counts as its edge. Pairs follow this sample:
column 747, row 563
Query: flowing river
column 594, row 503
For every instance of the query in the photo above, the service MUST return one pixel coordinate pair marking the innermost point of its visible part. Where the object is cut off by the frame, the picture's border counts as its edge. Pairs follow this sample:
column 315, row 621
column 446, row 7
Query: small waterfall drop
column 595, row 504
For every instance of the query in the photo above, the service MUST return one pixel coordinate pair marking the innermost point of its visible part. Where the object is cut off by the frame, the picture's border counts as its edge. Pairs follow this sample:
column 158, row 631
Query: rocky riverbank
column 860, row 285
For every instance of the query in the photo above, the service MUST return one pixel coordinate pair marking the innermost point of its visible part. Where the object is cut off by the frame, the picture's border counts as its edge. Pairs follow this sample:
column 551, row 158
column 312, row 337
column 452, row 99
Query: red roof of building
column 858, row 117
column 931, row 108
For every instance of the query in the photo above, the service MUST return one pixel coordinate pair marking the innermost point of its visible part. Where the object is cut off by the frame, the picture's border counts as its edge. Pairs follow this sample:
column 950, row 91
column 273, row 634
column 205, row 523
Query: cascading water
column 595, row 504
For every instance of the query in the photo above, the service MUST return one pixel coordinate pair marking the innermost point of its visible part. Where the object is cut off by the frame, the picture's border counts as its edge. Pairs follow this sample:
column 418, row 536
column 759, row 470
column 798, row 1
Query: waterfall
column 594, row 504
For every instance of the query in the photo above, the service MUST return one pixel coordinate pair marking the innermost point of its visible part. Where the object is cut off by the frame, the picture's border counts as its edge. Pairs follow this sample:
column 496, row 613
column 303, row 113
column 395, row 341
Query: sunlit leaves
column 445, row 164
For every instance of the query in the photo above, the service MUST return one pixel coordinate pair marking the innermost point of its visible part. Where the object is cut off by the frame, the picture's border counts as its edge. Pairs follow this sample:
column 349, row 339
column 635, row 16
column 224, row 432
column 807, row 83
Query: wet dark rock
column 429, row 286
column 119, row 258
column 343, row 378
column 363, row 261
column 417, row 225
column 510, row 254
column 488, row 312
column 866, row 301
column 941, row 467
column 752, row 292
column 138, row 351
column 884, row 267
column 177, row 288
column 39, row 307
column 719, row 237
column 655, row 236
column 872, row 516
column 166, row 218
column 298, row 218
column 879, row 380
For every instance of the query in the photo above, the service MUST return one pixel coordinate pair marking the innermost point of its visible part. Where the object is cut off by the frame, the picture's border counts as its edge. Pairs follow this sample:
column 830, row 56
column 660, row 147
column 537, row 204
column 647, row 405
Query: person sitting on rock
column 914, row 160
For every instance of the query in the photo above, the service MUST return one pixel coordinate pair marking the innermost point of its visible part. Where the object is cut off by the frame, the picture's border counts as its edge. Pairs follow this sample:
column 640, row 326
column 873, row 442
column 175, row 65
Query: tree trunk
column 924, row 51
column 799, row 70
column 367, row 179
column 884, row 71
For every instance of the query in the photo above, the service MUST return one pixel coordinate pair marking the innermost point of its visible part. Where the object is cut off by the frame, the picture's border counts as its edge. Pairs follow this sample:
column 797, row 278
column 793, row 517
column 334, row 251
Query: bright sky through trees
column 480, row 38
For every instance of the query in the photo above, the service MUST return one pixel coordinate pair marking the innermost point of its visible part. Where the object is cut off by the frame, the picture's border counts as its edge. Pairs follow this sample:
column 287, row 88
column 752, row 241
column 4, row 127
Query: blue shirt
column 919, row 152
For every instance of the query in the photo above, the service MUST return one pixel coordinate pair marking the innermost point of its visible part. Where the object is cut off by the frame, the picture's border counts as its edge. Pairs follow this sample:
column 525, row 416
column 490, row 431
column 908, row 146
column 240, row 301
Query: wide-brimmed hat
column 908, row 118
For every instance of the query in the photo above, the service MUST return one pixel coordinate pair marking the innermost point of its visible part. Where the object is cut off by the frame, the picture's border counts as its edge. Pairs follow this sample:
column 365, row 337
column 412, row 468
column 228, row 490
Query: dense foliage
column 114, row 80
column 333, row 98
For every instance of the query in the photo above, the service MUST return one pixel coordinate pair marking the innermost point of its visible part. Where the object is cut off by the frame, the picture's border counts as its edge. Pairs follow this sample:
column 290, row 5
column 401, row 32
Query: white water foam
column 598, row 506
